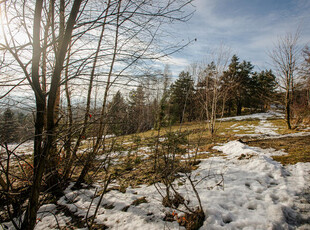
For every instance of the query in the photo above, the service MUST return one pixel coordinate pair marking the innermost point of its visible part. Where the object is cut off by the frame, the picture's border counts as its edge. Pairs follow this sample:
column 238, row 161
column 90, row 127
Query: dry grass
column 281, row 125
column 199, row 135
column 298, row 148
column 139, row 171
column 133, row 170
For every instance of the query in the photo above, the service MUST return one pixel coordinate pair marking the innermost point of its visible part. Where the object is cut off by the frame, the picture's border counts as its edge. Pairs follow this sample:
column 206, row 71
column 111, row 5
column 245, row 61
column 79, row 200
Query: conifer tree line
column 239, row 87
column 239, row 90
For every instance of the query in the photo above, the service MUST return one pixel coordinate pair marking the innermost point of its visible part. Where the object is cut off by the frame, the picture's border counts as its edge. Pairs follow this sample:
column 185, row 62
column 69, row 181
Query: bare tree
column 286, row 57
column 211, row 92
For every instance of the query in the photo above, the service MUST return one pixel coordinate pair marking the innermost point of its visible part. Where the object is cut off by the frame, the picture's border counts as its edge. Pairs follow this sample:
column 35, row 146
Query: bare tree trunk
column 68, row 140
column 288, row 109
column 286, row 57
column 33, row 205
column 52, row 177
column 31, row 212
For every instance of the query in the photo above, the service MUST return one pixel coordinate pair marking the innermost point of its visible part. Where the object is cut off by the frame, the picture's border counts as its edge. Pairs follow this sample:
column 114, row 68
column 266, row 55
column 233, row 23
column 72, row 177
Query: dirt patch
column 139, row 201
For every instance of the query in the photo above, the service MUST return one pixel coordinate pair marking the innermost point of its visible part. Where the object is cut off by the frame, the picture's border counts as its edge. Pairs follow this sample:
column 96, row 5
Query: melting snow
column 257, row 193
column 269, row 114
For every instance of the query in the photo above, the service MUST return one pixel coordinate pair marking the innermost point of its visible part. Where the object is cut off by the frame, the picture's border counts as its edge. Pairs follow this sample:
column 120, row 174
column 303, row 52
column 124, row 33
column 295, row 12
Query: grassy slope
column 298, row 148
column 136, row 169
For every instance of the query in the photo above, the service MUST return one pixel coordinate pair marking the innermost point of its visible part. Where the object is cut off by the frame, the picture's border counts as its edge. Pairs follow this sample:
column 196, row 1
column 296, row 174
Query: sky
column 250, row 28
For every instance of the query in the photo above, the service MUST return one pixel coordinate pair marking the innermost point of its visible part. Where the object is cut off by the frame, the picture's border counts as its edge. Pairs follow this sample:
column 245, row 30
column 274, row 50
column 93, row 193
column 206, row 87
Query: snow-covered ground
column 256, row 193
column 264, row 128
column 24, row 148
column 269, row 114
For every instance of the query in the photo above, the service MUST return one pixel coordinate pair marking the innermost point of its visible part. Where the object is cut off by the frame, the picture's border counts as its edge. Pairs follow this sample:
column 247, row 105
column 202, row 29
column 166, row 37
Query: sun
column 11, row 33
column 1, row 24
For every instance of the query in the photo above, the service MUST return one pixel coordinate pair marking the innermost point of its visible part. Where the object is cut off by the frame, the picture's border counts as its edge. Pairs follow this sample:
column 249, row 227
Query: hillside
column 252, row 175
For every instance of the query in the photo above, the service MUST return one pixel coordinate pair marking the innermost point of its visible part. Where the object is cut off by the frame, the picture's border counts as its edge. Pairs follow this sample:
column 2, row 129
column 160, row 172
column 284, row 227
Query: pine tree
column 245, row 89
column 118, row 115
column 182, row 98
column 137, row 113
column 237, row 81
column 8, row 127
column 204, row 89
column 266, row 85
column 163, row 112
column 230, row 81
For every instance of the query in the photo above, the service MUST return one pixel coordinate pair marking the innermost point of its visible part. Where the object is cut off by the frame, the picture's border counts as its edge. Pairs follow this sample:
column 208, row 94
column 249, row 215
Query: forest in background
column 193, row 96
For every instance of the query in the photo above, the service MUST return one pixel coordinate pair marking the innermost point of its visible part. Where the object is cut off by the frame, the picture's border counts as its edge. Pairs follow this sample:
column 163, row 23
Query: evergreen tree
column 230, row 82
column 162, row 115
column 8, row 127
column 182, row 98
column 137, row 111
column 118, row 115
column 264, row 84
column 237, row 81
column 206, row 81
column 245, row 88
column 163, row 111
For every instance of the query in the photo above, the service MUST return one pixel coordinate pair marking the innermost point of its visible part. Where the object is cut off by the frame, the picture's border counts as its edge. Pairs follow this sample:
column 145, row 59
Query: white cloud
column 176, row 61
column 249, row 31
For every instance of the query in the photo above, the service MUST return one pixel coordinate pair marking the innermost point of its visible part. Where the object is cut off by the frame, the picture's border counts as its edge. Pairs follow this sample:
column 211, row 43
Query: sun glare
column 15, row 33
column 1, row 25
column 1, row 20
